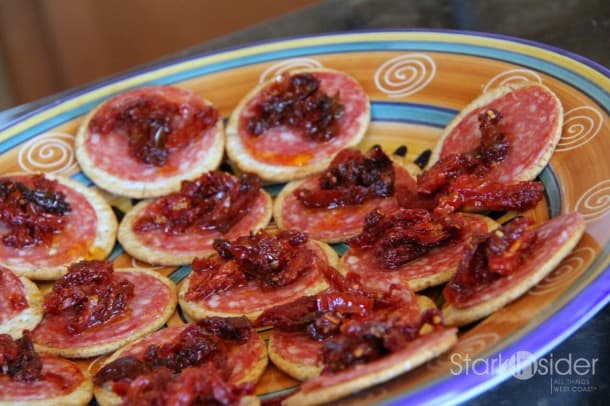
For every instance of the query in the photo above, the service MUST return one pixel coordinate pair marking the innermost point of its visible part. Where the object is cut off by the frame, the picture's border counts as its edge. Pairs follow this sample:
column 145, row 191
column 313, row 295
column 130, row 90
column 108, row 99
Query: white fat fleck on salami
column 71, row 243
column 551, row 236
column 10, row 287
column 340, row 222
column 150, row 299
column 297, row 347
column 437, row 261
column 109, row 152
column 529, row 117
column 296, row 150
column 199, row 242
column 251, row 297
column 59, row 378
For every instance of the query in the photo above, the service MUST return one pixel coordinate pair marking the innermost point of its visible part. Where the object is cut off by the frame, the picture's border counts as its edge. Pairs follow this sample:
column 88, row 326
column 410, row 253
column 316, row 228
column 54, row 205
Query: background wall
column 51, row 45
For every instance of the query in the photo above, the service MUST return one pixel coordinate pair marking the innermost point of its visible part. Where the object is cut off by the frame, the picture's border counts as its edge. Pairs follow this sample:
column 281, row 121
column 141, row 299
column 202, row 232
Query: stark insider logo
column 522, row 365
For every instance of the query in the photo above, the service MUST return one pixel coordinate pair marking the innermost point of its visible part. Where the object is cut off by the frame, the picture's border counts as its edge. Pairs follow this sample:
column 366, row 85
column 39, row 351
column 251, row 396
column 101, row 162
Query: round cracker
column 528, row 173
column 105, row 234
column 244, row 161
column 197, row 311
column 136, row 248
column 106, row 347
column 106, row 397
column 29, row 317
column 81, row 395
column 145, row 189
column 453, row 316
column 364, row 376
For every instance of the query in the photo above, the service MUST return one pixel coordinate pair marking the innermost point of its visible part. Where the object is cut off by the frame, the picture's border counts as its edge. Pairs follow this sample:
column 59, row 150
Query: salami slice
column 327, row 388
column 247, row 361
column 103, row 141
column 62, row 383
column 251, row 299
column 20, row 304
column 295, row 353
column 532, row 118
column 158, row 246
column 89, row 233
column 281, row 152
column 153, row 302
column 433, row 268
column 555, row 240
column 339, row 223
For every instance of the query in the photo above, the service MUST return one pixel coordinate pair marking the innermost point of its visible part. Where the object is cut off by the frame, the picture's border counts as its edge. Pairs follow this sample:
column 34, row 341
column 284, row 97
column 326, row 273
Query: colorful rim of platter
column 417, row 81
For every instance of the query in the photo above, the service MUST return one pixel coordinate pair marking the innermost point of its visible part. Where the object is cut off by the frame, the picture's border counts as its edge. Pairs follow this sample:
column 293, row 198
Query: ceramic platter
column 417, row 81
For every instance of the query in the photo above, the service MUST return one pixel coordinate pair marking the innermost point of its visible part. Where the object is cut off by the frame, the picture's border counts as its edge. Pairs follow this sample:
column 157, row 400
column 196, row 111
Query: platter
column 417, row 81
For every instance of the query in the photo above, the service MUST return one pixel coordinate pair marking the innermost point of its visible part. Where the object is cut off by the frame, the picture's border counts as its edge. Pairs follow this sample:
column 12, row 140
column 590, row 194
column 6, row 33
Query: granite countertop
column 582, row 27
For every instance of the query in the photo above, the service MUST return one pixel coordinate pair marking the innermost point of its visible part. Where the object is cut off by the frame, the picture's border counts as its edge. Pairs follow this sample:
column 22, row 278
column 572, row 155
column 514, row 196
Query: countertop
column 581, row 27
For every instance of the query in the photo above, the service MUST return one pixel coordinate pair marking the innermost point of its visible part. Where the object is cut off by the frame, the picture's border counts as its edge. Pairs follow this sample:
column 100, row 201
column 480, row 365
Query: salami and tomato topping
column 214, row 201
column 198, row 351
column 351, row 179
column 405, row 235
column 90, row 294
column 18, row 358
column 154, row 125
column 272, row 260
column 33, row 213
column 354, row 325
column 489, row 257
column 296, row 101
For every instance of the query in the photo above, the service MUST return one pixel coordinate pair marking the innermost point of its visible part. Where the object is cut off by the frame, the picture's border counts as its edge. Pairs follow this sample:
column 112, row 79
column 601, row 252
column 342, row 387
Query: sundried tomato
column 32, row 214
column 489, row 257
column 154, row 125
column 296, row 101
column 88, row 295
column 351, row 179
column 404, row 235
column 19, row 359
column 214, row 201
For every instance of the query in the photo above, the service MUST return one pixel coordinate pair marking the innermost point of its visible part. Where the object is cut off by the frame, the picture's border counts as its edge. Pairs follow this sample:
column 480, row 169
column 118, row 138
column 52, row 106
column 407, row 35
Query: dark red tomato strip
column 214, row 201
column 351, row 179
column 32, row 215
column 296, row 101
column 154, row 125
column 490, row 257
column 90, row 294
column 19, row 359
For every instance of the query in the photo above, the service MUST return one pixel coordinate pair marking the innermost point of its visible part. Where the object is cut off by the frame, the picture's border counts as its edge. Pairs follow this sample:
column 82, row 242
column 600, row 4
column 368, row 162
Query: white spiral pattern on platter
column 405, row 75
column 566, row 272
column 512, row 76
column 287, row 65
column 580, row 125
column 595, row 202
column 51, row 152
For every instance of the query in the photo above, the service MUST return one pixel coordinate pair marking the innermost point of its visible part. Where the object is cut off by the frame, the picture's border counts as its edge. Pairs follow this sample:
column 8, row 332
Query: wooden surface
column 51, row 45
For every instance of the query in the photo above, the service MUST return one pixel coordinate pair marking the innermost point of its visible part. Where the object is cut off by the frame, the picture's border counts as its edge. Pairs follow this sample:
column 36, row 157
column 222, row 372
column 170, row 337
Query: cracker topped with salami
column 144, row 142
column 255, row 272
column 351, row 337
column 498, row 267
column 294, row 124
column 216, row 361
column 94, row 309
column 411, row 247
column 20, row 304
column 174, row 229
column 48, row 222
column 331, row 206
column 30, row 378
